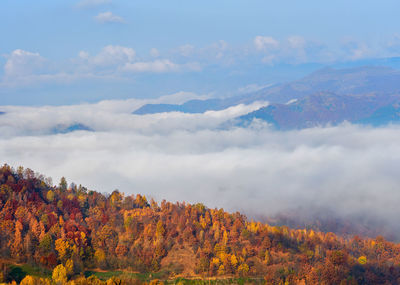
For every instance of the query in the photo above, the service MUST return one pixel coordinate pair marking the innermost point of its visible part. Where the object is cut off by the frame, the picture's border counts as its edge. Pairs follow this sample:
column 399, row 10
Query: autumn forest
column 66, row 230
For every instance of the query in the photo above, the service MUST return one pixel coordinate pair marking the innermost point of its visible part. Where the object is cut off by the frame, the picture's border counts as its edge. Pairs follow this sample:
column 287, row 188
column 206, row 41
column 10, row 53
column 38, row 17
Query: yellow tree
column 69, row 266
column 160, row 230
column 225, row 238
column 28, row 280
column 116, row 198
column 63, row 249
column 234, row 261
column 59, row 275
column 50, row 196
column 99, row 256
column 243, row 269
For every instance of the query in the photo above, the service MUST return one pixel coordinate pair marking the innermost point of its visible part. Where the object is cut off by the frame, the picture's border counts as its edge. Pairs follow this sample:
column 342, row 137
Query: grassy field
column 240, row 281
column 105, row 275
column 151, row 276
column 18, row 272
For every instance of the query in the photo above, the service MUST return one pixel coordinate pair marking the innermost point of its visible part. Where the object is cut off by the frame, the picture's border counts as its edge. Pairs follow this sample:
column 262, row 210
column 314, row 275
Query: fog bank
column 349, row 169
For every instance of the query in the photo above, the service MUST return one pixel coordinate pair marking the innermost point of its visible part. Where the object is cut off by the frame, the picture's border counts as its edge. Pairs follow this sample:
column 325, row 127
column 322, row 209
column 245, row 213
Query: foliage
column 59, row 275
column 70, row 229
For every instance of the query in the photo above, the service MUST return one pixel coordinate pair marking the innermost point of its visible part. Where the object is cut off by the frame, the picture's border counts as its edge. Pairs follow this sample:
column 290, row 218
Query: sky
column 71, row 52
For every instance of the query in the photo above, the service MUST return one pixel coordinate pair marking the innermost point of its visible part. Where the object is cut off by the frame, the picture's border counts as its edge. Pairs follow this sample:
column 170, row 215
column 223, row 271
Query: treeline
column 69, row 229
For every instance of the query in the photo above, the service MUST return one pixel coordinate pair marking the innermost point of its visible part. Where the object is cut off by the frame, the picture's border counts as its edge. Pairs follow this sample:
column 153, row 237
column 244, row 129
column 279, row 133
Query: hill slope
column 46, row 225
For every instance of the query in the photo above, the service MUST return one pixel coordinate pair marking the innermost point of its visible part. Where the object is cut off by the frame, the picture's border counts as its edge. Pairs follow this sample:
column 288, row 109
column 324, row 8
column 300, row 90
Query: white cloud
column 109, row 17
column 112, row 62
column 269, row 46
column 113, row 55
column 263, row 43
column 21, row 63
column 83, row 54
column 293, row 50
column 124, row 59
column 24, row 68
column 156, row 66
column 355, row 50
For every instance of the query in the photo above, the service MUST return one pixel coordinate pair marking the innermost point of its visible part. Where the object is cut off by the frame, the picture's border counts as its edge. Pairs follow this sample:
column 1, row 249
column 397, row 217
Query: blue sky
column 67, row 52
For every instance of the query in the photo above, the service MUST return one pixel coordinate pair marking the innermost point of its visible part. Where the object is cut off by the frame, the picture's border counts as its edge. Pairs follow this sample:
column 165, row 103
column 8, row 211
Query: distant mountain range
column 328, row 109
column 365, row 95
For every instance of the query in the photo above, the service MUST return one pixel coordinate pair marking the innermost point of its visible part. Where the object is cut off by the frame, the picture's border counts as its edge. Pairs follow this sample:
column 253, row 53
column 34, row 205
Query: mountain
column 349, row 81
column 361, row 80
column 73, row 230
column 64, row 129
column 383, row 115
column 192, row 106
column 322, row 109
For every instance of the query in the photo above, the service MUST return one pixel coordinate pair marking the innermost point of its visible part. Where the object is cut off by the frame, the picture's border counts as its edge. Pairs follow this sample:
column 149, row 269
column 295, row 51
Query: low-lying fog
column 352, row 171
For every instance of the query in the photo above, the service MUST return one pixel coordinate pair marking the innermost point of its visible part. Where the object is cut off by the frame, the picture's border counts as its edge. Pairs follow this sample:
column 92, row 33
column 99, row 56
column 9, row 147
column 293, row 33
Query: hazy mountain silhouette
column 329, row 108
column 352, row 81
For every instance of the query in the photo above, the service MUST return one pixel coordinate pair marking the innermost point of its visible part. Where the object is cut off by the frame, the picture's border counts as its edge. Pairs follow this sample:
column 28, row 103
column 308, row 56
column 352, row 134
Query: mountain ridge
column 349, row 81
column 366, row 95
column 324, row 108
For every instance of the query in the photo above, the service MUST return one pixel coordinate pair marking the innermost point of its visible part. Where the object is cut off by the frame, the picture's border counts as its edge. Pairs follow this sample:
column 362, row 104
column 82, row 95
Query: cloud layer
column 349, row 169
column 26, row 68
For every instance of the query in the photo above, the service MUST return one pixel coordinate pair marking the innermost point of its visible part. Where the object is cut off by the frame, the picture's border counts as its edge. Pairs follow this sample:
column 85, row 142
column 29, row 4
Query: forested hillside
column 72, row 229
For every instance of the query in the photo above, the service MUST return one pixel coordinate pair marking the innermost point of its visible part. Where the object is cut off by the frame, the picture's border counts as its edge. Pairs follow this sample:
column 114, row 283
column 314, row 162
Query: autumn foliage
column 69, row 229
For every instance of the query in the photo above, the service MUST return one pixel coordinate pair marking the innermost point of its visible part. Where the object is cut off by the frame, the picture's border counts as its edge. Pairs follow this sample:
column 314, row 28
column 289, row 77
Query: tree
column 63, row 248
column 59, row 275
column 221, row 270
column 225, row 238
column 45, row 244
column 160, row 230
column 362, row 260
column 116, row 198
column 121, row 250
column 16, row 244
column 63, row 184
column 100, row 257
column 28, row 280
column 267, row 258
column 243, row 269
column 69, row 266
column 234, row 261
column 50, row 196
